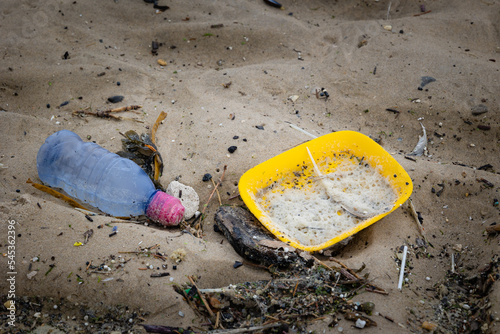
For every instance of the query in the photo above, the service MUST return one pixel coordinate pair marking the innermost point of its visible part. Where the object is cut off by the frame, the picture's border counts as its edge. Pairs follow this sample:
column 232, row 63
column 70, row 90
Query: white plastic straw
column 402, row 272
column 453, row 263
column 302, row 130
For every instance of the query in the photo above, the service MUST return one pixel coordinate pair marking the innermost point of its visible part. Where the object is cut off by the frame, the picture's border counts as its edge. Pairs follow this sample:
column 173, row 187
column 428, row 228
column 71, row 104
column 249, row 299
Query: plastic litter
column 94, row 175
column 288, row 171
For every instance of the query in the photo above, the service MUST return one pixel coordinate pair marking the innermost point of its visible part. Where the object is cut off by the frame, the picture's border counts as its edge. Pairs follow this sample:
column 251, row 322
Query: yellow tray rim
column 351, row 141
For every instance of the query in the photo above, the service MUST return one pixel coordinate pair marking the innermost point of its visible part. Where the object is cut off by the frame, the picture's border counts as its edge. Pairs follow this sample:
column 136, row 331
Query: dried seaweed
column 56, row 194
column 142, row 150
column 157, row 160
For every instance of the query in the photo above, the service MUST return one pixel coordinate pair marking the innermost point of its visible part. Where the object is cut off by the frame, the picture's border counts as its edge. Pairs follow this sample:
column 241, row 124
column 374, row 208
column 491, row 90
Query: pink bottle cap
column 165, row 209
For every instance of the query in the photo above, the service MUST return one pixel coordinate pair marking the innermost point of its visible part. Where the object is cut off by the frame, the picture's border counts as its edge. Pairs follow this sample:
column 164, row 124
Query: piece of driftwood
column 249, row 238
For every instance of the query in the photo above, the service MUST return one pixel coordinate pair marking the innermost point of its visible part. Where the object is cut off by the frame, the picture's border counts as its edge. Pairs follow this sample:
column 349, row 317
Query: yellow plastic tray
column 285, row 164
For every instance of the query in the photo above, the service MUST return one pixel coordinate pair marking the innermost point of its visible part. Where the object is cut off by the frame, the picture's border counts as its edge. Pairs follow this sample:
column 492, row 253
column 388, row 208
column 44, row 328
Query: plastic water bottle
column 115, row 185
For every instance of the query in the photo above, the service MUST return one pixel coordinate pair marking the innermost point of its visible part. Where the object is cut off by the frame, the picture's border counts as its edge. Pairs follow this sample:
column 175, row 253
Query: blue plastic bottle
column 103, row 179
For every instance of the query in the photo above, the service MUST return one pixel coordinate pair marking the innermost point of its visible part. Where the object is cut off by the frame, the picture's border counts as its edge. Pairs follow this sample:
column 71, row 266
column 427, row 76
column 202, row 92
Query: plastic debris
column 421, row 145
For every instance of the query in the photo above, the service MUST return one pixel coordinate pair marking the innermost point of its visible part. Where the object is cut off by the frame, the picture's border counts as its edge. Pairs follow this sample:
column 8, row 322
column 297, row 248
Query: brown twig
column 217, row 190
column 345, row 267
column 373, row 288
column 109, row 113
column 210, row 312
column 199, row 225
column 426, row 12
column 88, row 266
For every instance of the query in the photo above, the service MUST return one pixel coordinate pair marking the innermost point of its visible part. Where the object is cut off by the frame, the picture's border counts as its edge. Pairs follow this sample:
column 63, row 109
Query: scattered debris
column 322, row 94
column 109, row 113
column 87, row 235
column 296, row 296
column 154, row 48
column 479, row 109
column 178, row 255
column 161, row 62
column 421, row 146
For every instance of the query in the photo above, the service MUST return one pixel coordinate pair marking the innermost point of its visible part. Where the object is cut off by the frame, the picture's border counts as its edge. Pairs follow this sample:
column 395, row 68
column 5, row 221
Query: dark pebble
column 48, row 105
column 174, row 267
column 426, row 80
column 484, row 127
column 231, row 149
column 237, row 264
column 118, row 83
column 236, row 137
column 66, row 55
column 65, row 103
column 18, row 190
column 116, row 98
column 207, row 177
column 479, row 109
column 244, row 139
column 260, row 127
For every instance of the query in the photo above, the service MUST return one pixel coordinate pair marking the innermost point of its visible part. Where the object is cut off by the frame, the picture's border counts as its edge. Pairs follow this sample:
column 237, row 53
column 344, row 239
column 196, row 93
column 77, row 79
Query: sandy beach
column 237, row 73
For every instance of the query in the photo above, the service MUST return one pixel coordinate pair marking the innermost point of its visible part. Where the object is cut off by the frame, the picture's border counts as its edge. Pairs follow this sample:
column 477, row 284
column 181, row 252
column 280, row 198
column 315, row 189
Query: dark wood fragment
column 249, row 238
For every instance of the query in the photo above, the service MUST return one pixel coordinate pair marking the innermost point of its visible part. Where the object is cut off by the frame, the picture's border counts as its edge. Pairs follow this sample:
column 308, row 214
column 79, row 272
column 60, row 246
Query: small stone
column 207, row 177
column 118, row 83
column 181, row 314
column 232, row 149
column 368, row 307
column 293, row 98
column 188, row 196
column 479, row 109
column 31, row 274
column 116, row 98
column 388, row 27
column 429, row 326
column 360, row 323
column 161, row 62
